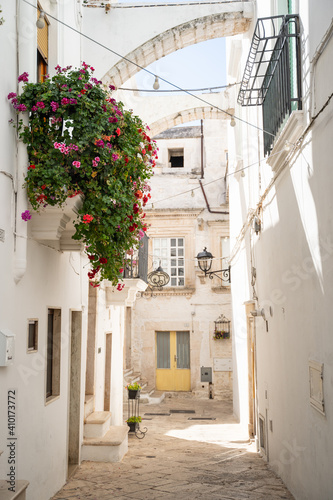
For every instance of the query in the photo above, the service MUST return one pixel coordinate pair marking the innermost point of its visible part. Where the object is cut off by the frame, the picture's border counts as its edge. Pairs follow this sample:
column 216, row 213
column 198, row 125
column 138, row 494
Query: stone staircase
column 148, row 393
column 102, row 442
column 19, row 486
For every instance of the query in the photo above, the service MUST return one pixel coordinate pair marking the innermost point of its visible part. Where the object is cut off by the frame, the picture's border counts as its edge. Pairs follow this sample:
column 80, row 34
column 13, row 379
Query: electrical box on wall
column 7, row 343
column 206, row 374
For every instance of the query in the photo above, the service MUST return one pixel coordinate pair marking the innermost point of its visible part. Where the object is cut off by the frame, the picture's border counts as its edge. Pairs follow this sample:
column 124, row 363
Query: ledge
column 170, row 291
column 54, row 225
column 127, row 296
column 290, row 134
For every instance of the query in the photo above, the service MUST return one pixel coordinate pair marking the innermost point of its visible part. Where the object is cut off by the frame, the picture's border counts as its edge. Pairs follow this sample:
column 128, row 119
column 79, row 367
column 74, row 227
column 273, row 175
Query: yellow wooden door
column 173, row 372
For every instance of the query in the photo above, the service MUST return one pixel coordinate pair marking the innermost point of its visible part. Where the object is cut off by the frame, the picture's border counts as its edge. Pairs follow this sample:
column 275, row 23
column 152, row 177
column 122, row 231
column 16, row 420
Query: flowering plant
column 221, row 335
column 80, row 141
column 133, row 387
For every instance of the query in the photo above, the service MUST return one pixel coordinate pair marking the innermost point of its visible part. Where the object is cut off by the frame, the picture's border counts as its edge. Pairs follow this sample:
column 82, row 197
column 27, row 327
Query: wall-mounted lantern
column 158, row 278
column 222, row 328
column 205, row 260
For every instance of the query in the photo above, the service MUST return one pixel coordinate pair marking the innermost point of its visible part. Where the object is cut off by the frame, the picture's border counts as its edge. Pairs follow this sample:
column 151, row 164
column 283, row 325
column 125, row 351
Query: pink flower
column 23, row 77
column 64, row 101
column 26, row 215
column 40, row 105
column 115, row 156
column 76, row 164
column 54, row 106
column 97, row 158
column 21, row 107
column 11, row 95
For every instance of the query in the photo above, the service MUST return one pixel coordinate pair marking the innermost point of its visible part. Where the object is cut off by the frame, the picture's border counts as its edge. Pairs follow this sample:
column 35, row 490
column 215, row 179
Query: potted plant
column 133, row 423
column 80, row 141
column 221, row 335
column 133, row 390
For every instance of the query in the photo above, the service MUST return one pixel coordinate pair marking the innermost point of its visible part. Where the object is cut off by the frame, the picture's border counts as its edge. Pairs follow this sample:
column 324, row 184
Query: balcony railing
column 272, row 75
column 136, row 265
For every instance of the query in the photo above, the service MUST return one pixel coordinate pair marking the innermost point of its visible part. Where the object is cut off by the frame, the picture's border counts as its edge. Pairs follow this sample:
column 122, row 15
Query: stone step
column 152, row 397
column 128, row 372
column 89, row 404
column 110, row 448
column 133, row 377
column 97, row 424
column 19, row 486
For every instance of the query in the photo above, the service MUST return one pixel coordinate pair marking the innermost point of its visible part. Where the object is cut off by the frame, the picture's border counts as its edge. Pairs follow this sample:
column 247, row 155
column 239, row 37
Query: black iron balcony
column 136, row 264
column 272, row 76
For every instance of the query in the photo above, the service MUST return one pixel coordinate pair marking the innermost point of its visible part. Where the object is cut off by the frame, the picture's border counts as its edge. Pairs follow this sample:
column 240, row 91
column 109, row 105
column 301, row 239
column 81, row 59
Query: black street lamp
column 205, row 260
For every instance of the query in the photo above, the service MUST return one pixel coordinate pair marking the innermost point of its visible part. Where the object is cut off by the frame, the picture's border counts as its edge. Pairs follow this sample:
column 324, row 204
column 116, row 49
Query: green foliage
column 133, row 387
column 80, row 141
column 134, row 419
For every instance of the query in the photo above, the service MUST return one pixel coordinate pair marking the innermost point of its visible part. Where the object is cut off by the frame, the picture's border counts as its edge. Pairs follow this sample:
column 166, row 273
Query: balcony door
column 173, row 372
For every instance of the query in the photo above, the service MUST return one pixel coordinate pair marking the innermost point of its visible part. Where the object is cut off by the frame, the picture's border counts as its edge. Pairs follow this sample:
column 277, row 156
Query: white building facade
column 281, row 241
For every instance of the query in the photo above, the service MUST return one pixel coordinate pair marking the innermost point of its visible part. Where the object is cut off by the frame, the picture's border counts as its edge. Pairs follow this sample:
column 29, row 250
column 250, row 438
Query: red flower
column 143, row 151
column 83, row 91
column 43, row 186
column 150, row 147
column 138, row 194
column 145, row 199
column 126, row 160
column 118, row 132
column 135, row 208
column 41, row 198
column 87, row 218
column 130, row 217
column 103, row 260
column 121, row 270
column 91, row 257
column 144, row 228
column 31, row 167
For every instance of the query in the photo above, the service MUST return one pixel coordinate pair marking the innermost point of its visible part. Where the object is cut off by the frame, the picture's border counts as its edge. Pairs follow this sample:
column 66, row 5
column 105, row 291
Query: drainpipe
column 202, row 144
column 21, row 202
column 225, row 212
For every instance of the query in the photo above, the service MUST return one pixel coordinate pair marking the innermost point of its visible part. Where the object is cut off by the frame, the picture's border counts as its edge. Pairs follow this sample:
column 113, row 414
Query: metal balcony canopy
column 267, row 44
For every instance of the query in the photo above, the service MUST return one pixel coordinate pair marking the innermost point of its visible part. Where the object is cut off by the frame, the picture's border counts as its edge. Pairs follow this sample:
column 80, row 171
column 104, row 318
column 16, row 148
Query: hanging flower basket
column 221, row 335
column 80, row 141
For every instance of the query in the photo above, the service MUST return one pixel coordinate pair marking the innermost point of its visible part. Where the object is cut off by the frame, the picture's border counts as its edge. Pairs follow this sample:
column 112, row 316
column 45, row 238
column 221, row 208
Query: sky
column 197, row 66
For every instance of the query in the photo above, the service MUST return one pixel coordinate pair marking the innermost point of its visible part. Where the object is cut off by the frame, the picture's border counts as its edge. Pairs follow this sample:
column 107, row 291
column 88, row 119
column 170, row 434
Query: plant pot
column 133, row 394
column 133, row 426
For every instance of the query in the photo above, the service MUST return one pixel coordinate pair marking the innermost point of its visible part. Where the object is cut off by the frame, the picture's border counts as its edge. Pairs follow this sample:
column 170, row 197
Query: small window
column 262, row 434
column 176, row 158
column 316, row 375
column 32, row 335
column 53, row 353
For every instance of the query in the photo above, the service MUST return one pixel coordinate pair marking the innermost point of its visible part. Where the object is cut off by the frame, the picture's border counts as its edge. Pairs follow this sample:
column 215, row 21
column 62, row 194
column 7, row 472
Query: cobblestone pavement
column 181, row 459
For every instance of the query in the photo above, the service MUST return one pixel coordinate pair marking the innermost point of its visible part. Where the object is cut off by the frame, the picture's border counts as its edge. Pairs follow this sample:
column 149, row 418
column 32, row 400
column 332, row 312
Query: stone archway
column 185, row 116
column 197, row 30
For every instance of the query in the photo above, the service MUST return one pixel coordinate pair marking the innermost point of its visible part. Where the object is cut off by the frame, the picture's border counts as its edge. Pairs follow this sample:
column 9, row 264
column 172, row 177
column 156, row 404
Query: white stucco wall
column 293, row 260
column 49, row 279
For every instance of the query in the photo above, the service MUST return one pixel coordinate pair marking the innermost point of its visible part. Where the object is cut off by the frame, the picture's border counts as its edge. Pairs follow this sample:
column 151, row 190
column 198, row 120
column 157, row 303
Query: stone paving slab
column 181, row 459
